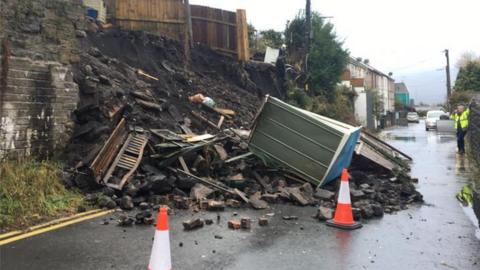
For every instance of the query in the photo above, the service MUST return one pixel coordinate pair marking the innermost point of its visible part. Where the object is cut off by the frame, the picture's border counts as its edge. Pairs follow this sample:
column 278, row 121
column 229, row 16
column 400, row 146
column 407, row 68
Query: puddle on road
column 401, row 138
column 444, row 139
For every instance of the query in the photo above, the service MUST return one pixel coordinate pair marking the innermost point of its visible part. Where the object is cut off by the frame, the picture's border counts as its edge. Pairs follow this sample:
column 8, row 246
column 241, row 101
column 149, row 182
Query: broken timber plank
column 183, row 164
column 200, row 138
column 369, row 135
column 225, row 112
column 368, row 152
column 200, row 117
column 109, row 150
column 143, row 73
column 242, row 156
column 220, row 122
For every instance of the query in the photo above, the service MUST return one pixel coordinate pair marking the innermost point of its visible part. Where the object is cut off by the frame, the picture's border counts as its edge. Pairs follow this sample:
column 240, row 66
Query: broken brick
column 246, row 223
column 263, row 221
column 216, row 206
column 233, row 203
column 192, row 224
column 208, row 221
column 234, row 224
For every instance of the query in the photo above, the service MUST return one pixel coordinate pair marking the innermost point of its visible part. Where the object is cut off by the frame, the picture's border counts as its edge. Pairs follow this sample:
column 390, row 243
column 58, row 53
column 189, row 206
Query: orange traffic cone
column 160, row 259
column 343, row 214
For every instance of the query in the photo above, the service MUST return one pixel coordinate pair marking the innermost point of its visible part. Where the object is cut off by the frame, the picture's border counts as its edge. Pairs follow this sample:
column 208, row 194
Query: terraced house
column 375, row 100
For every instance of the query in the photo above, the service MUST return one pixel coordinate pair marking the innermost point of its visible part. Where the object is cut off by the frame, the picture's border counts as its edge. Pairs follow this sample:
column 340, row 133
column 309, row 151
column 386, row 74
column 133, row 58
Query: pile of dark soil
column 145, row 79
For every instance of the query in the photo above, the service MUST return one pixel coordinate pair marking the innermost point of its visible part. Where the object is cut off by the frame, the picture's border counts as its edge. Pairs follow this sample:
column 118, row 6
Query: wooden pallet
column 127, row 161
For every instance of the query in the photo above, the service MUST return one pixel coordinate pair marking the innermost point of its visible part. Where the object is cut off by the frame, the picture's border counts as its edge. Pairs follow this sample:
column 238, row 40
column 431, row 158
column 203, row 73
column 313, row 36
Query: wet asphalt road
column 437, row 235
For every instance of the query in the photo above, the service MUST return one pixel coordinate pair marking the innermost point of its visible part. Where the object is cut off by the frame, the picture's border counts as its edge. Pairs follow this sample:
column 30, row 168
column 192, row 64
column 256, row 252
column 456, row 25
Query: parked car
column 413, row 117
column 431, row 120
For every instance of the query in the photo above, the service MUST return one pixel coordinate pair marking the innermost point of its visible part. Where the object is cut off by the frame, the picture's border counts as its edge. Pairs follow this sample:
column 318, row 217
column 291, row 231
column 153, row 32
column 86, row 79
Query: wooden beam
column 223, row 50
column 171, row 21
column 214, row 21
column 242, row 35
column 188, row 18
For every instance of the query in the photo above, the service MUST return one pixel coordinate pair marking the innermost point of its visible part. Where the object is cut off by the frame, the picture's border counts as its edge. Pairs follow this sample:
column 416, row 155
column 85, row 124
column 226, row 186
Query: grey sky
column 406, row 37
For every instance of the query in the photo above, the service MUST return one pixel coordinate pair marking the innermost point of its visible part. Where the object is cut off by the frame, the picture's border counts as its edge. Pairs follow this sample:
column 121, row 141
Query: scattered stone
column 144, row 206
column 324, row 194
column 256, row 202
column 357, row 215
column 377, row 210
column 125, row 221
column 234, row 224
column 209, row 221
column 106, row 202
column 233, row 203
column 324, row 213
column 199, row 192
column 246, row 223
column 148, row 220
column 357, row 194
column 263, row 221
column 364, row 186
column 126, row 203
column 216, row 206
column 204, row 204
column 270, row 198
column 218, row 236
column 144, row 217
column 192, row 224
column 182, row 203
column 80, row 34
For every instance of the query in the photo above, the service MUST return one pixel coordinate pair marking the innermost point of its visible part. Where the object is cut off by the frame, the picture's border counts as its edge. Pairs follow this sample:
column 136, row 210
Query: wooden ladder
column 127, row 161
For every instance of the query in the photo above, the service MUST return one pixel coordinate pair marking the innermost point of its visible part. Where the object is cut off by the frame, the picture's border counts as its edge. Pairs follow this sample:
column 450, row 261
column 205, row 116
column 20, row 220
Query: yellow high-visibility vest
column 462, row 118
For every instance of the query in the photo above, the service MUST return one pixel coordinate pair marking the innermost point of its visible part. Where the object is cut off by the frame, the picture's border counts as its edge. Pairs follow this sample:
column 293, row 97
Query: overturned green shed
column 313, row 147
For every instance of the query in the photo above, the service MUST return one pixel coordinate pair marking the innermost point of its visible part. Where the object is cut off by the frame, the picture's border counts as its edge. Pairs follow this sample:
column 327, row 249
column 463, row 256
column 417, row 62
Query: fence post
column 242, row 35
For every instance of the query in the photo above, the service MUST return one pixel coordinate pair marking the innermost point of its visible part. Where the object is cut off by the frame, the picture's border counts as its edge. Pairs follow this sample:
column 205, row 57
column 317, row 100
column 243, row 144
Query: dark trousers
column 461, row 140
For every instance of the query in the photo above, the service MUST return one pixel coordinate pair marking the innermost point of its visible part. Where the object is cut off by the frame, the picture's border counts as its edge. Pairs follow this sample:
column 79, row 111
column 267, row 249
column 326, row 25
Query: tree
column 468, row 78
column 327, row 59
column 272, row 38
column 252, row 36
column 466, row 58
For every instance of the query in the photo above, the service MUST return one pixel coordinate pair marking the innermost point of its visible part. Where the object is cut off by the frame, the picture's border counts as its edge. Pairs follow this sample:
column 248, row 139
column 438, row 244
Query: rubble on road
column 144, row 138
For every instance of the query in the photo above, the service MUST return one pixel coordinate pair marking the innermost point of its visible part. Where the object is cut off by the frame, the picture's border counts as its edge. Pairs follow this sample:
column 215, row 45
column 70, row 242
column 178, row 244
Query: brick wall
column 37, row 93
column 35, row 107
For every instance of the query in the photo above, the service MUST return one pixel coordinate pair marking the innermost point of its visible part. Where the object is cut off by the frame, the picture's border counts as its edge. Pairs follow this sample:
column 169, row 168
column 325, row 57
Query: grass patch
column 31, row 192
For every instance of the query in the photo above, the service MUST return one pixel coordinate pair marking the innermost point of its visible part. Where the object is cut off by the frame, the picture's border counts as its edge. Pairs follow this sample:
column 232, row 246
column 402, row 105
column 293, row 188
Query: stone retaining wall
column 35, row 108
column 37, row 92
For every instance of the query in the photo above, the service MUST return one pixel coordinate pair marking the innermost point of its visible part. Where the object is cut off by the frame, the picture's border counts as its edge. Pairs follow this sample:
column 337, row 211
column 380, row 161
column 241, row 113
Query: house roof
column 401, row 88
column 354, row 61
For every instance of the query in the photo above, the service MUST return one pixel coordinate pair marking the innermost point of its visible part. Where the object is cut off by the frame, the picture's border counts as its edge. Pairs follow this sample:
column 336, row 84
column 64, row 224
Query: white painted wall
column 360, row 105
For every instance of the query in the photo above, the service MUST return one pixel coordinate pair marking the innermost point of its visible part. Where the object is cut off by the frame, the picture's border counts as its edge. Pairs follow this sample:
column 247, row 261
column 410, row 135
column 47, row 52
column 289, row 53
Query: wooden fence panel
column 162, row 17
column 216, row 28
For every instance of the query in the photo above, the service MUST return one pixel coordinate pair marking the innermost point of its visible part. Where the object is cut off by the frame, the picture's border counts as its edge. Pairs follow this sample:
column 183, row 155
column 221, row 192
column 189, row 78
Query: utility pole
column 308, row 32
column 449, row 85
